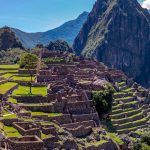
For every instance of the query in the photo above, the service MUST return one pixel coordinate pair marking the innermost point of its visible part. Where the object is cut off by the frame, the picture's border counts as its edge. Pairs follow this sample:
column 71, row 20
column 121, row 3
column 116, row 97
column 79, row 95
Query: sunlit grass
column 4, row 88
column 15, row 66
column 25, row 91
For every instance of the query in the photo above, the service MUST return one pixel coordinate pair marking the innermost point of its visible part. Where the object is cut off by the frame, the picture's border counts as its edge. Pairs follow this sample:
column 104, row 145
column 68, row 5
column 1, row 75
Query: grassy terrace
column 4, row 88
column 123, row 98
column 7, row 75
column 8, row 71
column 44, row 136
column 131, row 129
column 131, row 117
column 18, row 77
column 24, row 91
column 12, row 100
column 120, row 93
column 118, row 111
column 11, row 131
column 126, row 118
column 15, row 66
column 9, row 116
column 114, row 137
column 97, row 143
column 128, row 90
column 121, row 83
column 36, row 105
column 25, row 78
column 133, row 122
column 49, row 114
column 126, row 104
column 126, row 112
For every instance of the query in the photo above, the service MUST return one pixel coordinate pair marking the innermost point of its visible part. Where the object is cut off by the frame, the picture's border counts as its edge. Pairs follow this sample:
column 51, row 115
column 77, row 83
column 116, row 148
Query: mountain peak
column 117, row 33
column 8, row 39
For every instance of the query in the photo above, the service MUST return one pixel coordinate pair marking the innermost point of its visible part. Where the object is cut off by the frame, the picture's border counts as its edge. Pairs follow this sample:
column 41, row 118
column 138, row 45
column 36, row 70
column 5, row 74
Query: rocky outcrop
column 117, row 32
column 8, row 39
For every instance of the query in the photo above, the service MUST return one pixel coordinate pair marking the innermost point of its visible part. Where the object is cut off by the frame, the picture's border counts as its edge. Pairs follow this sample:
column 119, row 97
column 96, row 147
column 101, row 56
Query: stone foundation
column 25, row 143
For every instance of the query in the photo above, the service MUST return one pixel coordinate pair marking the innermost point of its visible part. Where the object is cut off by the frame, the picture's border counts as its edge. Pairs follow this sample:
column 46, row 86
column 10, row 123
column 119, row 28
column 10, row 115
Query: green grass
column 4, row 88
column 5, row 112
column 97, row 143
column 128, row 90
column 11, row 131
column 34, row 105
column 141, row 120
column 12, row 100
column 49, row 123
column 49, row 114
column 11, row 116
column 24, row 91
column 128, row 117
column 123, row 98
column 116, row 111
column 22, row 78
column 121, row 83
column 7, row 75
column 8, row 71
column 145, row 146
column 126, row 112
column 9, row 66
column 130, row 129
column 122, row 110
column 114, row 137
column 118, row 105
column 45, row 136
column 18, row 77
column 119, row 93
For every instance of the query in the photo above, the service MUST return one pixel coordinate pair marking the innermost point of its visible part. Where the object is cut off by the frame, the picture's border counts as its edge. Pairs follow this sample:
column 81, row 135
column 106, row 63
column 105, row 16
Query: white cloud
column 146, row 4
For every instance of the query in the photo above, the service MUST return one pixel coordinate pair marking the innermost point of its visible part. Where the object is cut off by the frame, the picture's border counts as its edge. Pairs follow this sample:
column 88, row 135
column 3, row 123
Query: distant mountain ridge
column 68, row 31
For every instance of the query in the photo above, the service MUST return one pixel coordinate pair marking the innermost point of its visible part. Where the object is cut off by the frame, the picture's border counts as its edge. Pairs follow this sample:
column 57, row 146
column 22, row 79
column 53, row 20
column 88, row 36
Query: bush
column 144, row 143
column 137, row 146
column 146, row 138
column 103, row 100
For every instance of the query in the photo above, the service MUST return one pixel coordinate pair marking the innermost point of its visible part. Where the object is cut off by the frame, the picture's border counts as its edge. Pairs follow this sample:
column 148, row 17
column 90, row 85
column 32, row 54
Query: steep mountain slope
column 68, row 31
column 117, row 33
column 8, row 39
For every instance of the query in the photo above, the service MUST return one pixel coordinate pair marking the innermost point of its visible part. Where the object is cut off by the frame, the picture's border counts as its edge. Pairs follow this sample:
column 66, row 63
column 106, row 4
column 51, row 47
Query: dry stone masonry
column 66, row 117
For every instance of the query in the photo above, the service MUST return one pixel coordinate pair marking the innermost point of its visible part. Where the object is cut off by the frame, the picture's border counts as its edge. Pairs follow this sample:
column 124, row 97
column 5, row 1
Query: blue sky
column 40, row 15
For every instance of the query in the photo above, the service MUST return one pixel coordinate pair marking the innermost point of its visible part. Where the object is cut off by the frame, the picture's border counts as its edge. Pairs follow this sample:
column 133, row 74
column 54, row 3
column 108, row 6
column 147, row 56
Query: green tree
column 103, row 100
column 146, row 138
column 29, row 61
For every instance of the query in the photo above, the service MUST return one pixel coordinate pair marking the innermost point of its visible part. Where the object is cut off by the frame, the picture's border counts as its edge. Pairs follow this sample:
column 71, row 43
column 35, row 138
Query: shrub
column 146, row 138
column 137, row 146
column 103, row 100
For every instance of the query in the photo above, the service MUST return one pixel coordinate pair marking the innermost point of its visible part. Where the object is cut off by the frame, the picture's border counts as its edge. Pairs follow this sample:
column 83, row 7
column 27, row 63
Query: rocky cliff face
column 8, row 39
column 117, row 32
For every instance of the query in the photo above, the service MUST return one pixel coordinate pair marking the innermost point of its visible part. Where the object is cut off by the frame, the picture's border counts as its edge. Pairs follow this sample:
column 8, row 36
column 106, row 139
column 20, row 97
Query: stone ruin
column 69, row 93
column 26, row 128
column 26, row 142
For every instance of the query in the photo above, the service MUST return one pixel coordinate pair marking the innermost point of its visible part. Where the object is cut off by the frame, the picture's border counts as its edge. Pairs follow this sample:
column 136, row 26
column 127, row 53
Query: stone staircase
column 128, row 114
